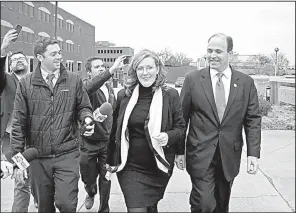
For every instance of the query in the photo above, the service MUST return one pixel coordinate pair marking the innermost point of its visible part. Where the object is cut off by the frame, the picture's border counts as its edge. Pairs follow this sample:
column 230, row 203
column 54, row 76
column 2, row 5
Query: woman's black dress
column 142, row 183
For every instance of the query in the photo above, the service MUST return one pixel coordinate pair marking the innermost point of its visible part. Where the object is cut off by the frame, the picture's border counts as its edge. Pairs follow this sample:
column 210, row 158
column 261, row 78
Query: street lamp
column 276, row 61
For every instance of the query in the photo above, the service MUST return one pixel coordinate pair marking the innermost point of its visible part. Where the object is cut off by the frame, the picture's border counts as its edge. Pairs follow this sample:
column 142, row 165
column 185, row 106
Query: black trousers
column 55, row 182
column 212, row 192
column 93, row 164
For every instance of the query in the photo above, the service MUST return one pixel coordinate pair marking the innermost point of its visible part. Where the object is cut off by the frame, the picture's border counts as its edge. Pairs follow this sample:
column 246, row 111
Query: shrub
column 264, row 105
column 281, row 117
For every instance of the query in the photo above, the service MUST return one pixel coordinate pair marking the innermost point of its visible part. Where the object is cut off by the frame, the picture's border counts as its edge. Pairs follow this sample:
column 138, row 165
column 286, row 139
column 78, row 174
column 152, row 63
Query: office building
column 109, row 53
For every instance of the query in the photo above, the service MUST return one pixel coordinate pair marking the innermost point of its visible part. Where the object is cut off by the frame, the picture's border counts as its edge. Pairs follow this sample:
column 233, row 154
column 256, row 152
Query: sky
column 256, row 27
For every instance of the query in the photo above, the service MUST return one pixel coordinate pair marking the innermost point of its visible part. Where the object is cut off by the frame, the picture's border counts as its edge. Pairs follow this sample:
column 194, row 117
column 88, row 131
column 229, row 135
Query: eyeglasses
column 147, row 68
column 18, row 59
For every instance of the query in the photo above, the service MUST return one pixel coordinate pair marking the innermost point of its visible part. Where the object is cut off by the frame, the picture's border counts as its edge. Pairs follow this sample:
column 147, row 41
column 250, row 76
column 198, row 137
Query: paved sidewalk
column 271, row 190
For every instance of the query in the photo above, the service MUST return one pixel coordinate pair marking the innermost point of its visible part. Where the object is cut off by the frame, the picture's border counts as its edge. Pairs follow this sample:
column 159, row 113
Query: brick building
column 76, row 37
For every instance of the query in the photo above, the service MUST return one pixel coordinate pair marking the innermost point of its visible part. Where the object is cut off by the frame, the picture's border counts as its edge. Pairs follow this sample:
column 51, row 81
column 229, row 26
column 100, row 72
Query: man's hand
column 252, row 165
column 162, row 138
column 19, row 175
column 118, row 64
column 7, row 41
column 89, row 129
column 180, row 161
column 6, row 168
column 98, row 116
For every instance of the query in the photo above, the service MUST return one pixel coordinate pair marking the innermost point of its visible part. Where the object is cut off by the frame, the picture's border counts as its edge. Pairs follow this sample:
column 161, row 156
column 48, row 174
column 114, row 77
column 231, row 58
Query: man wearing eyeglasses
column 18, row 66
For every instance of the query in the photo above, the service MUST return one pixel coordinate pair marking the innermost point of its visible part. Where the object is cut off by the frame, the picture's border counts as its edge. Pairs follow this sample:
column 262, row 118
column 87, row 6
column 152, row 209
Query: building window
column 108, row 51
column 79, row 31
column 47, row 18
column 69, row 65
column 39, row 15
column 61, row 23
column 20, row 6
column 79, row 66
column 70, row 26
column 79, row 48
column 25, row 36
column 25, row 9
column 9, row 5
column 31, row 11
column 120, row 51
column 104, row 51
column 117, row 51
column 43, row 14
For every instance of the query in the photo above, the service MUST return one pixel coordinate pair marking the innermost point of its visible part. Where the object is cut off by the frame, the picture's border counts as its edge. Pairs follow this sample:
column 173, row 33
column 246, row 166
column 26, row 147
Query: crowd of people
column 151, row 128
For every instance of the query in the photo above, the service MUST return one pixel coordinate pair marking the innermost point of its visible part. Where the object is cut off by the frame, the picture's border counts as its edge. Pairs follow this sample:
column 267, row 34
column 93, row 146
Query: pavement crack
column 280, row 148
column 272, row 183
column 254, row 196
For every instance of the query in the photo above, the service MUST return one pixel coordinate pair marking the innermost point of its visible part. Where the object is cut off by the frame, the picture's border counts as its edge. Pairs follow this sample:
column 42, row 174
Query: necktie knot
column 220, row 75
column 49, row 81
column 50, row 77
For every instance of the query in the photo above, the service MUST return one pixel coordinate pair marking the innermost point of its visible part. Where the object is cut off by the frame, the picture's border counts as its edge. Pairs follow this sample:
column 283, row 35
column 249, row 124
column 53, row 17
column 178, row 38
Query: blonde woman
column 148, row 131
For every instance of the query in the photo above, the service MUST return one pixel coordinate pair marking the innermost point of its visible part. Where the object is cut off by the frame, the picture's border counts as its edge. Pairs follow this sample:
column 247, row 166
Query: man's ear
column 40, row 57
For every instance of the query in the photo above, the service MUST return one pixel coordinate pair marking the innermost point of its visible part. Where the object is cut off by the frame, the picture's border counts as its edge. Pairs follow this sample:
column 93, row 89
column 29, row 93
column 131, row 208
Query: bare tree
column 180, row 57
column 282, row 59
column 260, row 61
column 165, row 55
column 234, row 58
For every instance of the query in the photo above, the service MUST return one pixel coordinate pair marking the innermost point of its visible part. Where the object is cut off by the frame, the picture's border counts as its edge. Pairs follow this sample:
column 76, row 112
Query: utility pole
column 56, row 20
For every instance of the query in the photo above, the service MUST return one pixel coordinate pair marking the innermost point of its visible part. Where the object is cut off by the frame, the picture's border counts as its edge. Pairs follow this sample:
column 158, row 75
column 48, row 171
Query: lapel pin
column 235, row 85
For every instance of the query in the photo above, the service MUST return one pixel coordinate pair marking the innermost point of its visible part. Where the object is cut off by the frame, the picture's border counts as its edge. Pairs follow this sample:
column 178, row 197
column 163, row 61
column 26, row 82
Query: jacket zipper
column 51, row 124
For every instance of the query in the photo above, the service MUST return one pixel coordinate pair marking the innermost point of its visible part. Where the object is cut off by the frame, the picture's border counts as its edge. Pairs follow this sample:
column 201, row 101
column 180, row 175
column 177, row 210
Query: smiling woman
column 151, row 133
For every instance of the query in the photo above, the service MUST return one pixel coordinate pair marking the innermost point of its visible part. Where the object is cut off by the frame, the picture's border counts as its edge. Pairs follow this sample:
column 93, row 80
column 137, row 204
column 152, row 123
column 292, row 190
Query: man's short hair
column 14, row 53
column 41, row 45
column 91, row 59
column 229, row 40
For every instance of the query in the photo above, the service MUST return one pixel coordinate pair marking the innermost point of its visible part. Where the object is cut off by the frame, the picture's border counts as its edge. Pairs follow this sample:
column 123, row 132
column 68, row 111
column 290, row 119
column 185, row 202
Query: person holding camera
column 148, row 129
column 18, row 66
column 93, row 149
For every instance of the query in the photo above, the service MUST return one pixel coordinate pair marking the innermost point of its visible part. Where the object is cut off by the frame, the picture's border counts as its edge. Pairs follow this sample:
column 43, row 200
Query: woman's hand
column 162, row 138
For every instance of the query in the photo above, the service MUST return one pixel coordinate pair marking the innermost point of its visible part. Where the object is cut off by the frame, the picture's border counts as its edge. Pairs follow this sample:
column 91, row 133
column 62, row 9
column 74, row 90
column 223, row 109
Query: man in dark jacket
column 94, row 148
column 19, row 68
column 48, row 103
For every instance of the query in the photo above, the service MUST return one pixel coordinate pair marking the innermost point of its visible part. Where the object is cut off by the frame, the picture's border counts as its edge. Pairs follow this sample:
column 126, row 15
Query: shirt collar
column 226, row 72
column 45, row 73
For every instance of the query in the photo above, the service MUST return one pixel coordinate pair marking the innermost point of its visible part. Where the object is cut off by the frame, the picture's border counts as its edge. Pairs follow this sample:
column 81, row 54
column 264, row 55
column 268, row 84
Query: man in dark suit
column 218, row 101
column 19, row 67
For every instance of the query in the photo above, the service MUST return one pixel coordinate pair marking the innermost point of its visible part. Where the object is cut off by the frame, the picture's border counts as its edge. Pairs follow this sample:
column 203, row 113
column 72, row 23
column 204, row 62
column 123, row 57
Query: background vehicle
column 179, row 82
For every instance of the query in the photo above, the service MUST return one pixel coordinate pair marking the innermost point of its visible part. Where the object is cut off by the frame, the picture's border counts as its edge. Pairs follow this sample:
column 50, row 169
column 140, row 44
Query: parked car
column 179, row 82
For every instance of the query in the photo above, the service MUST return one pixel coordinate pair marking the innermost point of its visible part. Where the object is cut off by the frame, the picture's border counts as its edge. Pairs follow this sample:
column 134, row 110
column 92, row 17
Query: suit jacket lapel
column 234, row 87
column 206, row 83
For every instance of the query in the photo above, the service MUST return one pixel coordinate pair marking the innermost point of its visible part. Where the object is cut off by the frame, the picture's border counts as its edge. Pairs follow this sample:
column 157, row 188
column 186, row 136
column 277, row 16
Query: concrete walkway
column 272, row 189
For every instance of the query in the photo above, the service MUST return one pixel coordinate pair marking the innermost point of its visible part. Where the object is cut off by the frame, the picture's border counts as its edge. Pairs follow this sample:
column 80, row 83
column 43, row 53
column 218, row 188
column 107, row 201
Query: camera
column 18, row 29
column 127, row 60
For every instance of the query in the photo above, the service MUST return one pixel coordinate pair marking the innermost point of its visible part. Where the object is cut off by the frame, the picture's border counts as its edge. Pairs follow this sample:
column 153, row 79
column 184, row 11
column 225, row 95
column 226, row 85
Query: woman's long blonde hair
column 132, row 80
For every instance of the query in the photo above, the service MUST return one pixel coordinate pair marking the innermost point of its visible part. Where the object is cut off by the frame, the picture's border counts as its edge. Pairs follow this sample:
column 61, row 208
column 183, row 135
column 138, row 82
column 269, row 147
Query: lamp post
column 276, row 61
